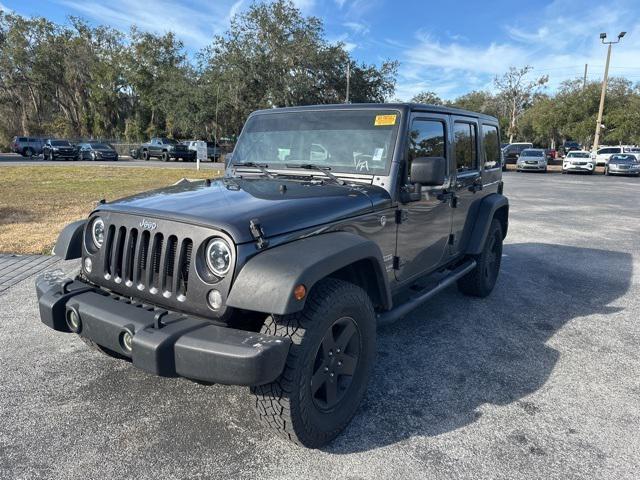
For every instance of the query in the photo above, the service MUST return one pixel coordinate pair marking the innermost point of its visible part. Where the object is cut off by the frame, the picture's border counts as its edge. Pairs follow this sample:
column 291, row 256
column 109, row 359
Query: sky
column 449, row 48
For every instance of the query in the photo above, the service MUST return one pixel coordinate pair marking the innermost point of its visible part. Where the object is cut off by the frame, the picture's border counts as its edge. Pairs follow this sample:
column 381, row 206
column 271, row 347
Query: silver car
column 623, row 164
column 532, row 159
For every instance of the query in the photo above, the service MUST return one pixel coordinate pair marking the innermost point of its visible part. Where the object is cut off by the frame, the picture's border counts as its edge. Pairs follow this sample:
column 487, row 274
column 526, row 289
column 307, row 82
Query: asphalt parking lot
column 540, row 380
column 13, row 159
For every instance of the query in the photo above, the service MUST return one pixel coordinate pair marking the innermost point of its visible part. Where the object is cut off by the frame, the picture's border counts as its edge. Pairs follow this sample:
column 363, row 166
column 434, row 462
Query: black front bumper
column 164, row 343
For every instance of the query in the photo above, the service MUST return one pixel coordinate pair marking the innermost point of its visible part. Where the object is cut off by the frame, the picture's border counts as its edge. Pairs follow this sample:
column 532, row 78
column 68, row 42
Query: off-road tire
column 165, row 157
column 101, row 349
column 28, row 152
column 480, row 281
column 145, row 155
column 288, row 405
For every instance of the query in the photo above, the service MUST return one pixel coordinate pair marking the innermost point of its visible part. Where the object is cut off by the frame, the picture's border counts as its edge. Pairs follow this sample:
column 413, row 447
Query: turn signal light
column 299, row 292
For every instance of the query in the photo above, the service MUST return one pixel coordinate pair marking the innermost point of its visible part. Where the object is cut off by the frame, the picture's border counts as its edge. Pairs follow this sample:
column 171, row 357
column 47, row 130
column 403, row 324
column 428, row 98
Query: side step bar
column 400, row 311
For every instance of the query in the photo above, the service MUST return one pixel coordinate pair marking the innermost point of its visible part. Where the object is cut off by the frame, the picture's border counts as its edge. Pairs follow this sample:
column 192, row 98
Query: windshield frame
column 281, row 167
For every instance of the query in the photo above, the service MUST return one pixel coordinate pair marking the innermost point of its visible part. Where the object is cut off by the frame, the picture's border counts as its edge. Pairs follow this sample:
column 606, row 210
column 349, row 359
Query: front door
column 424, row 225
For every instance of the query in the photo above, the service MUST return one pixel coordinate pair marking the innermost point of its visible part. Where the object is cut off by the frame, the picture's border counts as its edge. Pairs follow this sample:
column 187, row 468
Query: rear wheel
column 480, row 281
column 28, row 152
column 328, row 366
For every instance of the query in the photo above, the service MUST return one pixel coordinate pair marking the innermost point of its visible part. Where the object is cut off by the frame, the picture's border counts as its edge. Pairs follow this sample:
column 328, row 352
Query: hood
column 229, row 204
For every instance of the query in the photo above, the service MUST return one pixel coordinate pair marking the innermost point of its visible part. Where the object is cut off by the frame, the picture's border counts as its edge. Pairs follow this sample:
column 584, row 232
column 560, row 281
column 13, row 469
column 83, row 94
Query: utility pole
column 584, row 81
column 215, row 136
column 348, row 79
column 603, row 36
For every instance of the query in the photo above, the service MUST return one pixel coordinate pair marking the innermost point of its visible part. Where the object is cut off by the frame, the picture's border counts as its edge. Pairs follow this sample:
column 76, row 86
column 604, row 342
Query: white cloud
column 358, row 28
column 305, row 5
column 556, row 47
column 195, row 25
column 5, row 9
column 340, row 3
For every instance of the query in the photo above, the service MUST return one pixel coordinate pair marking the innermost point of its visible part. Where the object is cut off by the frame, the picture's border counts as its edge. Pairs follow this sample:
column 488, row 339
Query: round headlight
column 218, row 256
column 97, row 232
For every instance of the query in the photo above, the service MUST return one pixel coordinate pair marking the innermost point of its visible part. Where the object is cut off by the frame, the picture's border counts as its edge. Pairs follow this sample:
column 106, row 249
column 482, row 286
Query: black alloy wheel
column 335, row 364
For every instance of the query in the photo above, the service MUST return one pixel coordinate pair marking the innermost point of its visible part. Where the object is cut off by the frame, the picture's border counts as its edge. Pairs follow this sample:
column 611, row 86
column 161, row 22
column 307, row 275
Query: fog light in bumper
column 214, row 298
column 88, row 265
column 126, row 341
column 73, row 320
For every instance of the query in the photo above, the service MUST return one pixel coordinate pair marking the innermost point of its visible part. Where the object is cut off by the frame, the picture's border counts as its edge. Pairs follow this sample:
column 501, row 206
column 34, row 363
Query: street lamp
column 603, row 38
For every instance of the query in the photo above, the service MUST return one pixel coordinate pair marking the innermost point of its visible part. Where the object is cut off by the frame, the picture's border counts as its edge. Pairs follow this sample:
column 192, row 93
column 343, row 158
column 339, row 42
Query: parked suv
column 278, row 275
column 165, row 149
column 578, row 161
column 512, row 151
column 59, row 149
column 27, row 146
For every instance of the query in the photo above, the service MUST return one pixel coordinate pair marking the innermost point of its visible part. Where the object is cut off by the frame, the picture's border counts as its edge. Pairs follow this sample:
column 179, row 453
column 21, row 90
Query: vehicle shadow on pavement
column 436, row 367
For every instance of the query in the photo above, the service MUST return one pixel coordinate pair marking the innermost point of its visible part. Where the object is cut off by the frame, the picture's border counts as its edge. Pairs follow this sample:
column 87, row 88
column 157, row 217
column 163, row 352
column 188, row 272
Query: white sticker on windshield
column 377, row 154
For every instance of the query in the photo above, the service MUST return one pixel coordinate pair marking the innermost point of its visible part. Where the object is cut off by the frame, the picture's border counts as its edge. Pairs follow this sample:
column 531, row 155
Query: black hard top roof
column 404, row 107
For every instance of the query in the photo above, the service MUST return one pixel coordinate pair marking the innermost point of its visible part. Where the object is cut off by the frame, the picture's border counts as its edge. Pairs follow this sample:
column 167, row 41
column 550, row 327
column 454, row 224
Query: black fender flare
column 490, row 206
column 266, row 282
column 69, row 243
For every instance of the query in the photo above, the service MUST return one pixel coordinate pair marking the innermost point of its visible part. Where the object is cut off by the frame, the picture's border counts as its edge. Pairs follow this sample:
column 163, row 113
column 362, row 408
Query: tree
column 273, row 56
column 430, row 98
column 515, row 94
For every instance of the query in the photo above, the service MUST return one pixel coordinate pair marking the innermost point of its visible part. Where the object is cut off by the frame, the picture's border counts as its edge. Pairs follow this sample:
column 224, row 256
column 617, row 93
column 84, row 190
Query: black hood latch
column 258, row 233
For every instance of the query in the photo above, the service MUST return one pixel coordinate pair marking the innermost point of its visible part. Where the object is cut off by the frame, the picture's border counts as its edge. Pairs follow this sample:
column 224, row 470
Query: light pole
column 603, row 37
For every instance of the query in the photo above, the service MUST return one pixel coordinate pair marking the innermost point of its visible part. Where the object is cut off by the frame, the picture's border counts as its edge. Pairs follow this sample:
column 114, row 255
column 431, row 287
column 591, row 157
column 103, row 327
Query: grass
column 37, row 202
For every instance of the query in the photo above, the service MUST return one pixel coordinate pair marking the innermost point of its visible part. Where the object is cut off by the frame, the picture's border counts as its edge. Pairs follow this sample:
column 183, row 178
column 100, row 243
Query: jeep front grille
column 150, row 261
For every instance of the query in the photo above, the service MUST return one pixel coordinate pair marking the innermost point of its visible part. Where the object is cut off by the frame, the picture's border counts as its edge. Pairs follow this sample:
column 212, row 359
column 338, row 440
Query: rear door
column 424, row 227
column 467, row 177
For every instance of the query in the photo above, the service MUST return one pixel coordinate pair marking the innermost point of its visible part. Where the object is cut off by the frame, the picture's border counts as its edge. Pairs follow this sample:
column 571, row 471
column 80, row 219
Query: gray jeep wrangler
column 277, row 275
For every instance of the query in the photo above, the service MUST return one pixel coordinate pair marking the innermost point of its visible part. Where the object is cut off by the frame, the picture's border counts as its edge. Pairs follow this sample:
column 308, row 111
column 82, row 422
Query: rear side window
column 491, row 146
column 22, row 139
column 464, row 135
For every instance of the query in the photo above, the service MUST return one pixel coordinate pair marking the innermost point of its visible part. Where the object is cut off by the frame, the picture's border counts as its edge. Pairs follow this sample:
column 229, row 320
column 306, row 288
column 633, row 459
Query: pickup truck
column 166, row 149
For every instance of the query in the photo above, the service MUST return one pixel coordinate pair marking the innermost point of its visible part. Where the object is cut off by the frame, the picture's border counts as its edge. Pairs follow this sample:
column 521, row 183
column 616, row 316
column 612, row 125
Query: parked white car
column 578, row 161
column 604, row 153
column 532, row 159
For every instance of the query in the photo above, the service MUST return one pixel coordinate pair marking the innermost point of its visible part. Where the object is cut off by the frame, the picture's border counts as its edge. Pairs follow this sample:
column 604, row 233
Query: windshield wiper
column 260, row 166
column 318, row 168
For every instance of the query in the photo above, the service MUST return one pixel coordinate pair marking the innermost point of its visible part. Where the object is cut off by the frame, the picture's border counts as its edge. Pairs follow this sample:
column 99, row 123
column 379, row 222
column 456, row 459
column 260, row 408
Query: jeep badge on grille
column 144, row 223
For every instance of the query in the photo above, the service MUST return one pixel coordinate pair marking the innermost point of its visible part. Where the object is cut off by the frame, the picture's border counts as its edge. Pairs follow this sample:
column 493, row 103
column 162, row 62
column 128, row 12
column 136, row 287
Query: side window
column 465, row 146
column 491, row 146
column 426, row 139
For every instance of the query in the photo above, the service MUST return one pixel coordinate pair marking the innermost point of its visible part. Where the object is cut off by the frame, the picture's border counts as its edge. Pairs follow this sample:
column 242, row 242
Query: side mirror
column 429, row 171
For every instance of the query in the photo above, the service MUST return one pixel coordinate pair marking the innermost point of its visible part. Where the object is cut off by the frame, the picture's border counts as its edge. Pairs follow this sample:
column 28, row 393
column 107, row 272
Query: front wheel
column 328, row 366
column 145, row 155
column 165, row 156
column 480, row 281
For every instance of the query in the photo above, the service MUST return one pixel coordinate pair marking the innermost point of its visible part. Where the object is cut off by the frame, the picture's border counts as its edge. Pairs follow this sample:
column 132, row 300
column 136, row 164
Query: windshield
column 100, row 146
column 353, row 141
column 532, row 153
column 578, row 155
column 60, row 143
column 169, row 141
column 623, row 158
